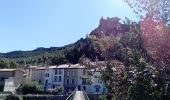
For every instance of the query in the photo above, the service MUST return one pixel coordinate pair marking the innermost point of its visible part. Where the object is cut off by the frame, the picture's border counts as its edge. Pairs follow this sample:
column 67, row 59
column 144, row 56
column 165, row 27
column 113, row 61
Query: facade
column 90, row 83
column 48, row 81
column 82, row 80
column 19, row 77
column 68, row 76
column 12, row 82
column 58, row 76
column 71, row 78
column 35, row 73
column 96, row 85
column 5, row 74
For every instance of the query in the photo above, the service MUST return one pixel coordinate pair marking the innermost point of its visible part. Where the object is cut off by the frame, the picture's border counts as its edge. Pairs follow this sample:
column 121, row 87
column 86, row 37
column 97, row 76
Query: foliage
column 102, row 97
column 129, row 71
column 31, row 88
column 44, row 97
column 57, row 90
column 155, row 8
column 156, row 37
column 13, row 97
column 5, row 63
column 2, row 97
column 135, row 64
column 153, row 25
column 50, row 56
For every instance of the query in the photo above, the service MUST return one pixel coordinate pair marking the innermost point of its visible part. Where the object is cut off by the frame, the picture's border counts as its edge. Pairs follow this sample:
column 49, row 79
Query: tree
column 113, row 73
column 4, row 64
column 153, row 26
column 156, row 8
column 13, row 64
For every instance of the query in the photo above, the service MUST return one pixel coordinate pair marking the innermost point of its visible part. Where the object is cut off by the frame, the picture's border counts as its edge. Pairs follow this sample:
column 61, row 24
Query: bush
column 57, row 90
column 1, row 88
column 13, row 97
column 2, row 97
column 43, row 97
column 102, row 97
column 31, row 88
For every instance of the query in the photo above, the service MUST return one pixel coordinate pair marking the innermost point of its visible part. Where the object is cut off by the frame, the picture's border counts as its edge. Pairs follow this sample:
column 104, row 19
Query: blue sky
column 28, row 24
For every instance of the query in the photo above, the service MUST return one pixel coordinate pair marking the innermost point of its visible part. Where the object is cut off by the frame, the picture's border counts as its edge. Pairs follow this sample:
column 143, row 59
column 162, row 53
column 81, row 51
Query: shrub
column 2, row 97
column 102, row 97
column 56, row 90
column 13, row 97
column 31, row 88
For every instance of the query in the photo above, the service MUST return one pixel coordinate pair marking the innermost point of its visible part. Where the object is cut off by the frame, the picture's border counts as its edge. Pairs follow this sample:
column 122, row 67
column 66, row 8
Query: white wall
column 49, row 77
column 96, row 83
column 58, row 74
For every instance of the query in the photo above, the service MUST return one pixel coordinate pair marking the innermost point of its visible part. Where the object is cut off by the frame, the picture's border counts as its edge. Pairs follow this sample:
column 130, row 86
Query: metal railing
column 72, row 94
column 85, row 95
column 71, row 97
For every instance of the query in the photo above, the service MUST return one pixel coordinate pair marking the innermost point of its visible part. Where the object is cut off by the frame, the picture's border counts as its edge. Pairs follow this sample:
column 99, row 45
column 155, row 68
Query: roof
column 68, row 66
column 63, row 66
column 7, row 70
column 40, row 68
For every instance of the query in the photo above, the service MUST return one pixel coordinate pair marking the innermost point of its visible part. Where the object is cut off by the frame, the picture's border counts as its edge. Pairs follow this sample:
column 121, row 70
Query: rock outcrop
column 110, row 26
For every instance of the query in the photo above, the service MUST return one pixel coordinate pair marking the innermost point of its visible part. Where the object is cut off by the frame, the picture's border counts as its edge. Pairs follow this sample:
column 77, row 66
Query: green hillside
column 108, row 28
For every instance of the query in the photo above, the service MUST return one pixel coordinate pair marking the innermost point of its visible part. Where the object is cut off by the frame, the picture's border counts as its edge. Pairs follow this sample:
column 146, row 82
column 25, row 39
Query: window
column 55, row 78
column 104, row 89
column 99, row 81
column 97, row 89
column 83, row 81
column 53, row 86
column 3, row 78
column 46, row 82
column 55, row 71
column 84, row 72
column 84, row 88
column 60, row 71
column 67, row 81
column 59, row 79
column 47, row 74
column 39, row 81
column 72, row 81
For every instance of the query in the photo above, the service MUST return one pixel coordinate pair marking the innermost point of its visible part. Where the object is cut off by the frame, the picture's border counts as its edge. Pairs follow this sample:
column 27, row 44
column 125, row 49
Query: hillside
column 72, row 52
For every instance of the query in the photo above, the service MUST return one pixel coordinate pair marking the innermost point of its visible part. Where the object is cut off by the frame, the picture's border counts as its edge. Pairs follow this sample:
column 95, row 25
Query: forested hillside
column 110, row 27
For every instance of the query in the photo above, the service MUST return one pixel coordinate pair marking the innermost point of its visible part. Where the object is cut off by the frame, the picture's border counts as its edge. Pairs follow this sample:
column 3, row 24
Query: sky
column 28, row 24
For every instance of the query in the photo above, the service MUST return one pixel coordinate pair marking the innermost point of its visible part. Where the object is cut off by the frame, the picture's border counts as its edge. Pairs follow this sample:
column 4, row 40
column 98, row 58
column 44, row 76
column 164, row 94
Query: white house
column 90, row 83
column 68, row 76
column 97, row 85
column 54, row 77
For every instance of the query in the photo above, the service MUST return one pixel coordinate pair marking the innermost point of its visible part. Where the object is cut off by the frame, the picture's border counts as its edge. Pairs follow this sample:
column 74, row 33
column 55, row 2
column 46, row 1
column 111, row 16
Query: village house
column 5, row 74
column 70, row 76
column 54, row 77
column 36, row 73
column 11, row 79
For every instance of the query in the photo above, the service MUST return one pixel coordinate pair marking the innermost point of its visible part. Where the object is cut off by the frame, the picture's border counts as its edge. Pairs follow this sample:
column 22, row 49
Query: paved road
column 79, row 96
